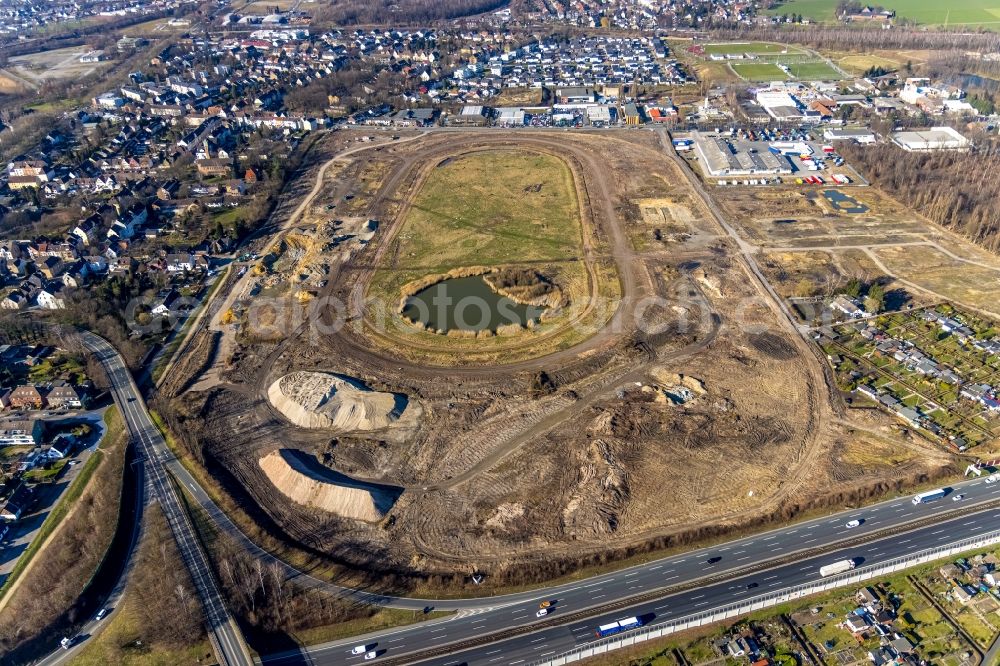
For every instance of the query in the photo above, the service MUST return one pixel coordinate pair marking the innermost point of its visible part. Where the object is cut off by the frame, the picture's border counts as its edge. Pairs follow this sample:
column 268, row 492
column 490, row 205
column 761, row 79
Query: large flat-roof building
column 935, row 138
column 722, row 156
column 857, row 134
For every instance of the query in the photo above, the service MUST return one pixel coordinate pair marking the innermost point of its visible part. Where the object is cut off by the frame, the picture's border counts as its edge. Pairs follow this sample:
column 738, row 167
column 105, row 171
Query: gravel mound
column 326, row 490
column 324, row 400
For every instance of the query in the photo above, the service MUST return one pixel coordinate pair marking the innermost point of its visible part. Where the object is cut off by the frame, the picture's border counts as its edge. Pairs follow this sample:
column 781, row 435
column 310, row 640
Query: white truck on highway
column 929, row 496
column 836, row 568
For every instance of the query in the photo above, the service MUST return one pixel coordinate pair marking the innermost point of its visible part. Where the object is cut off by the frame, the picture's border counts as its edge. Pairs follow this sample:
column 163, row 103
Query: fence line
column 774, row 598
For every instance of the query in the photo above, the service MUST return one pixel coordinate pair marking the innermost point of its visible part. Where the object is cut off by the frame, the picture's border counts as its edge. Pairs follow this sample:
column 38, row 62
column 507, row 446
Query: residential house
column 52, row 297
column 26, row 432
column 26, row 397
column 17, row 503
column 64, row 396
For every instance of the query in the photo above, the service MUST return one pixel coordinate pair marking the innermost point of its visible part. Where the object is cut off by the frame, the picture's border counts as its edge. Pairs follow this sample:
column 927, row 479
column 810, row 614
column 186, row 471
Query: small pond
column 844, row 203
column 468, row 304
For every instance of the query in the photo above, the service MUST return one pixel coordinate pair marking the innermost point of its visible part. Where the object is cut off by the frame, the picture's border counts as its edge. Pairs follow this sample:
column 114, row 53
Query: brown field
column 553, row 444
column 54, row 65
column 809, row 247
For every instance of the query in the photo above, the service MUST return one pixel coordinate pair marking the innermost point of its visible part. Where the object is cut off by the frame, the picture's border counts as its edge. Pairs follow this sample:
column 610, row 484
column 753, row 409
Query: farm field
column 970, row 13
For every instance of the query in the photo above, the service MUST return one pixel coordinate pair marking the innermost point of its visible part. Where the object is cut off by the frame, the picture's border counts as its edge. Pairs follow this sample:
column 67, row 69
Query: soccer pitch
column 755, row 48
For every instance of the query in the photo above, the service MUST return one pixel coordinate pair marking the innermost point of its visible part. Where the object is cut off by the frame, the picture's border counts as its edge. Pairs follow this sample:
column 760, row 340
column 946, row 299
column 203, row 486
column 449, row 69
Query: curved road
column 222, row 629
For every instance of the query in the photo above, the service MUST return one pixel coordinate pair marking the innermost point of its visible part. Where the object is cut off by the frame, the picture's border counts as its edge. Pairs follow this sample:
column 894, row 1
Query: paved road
column 594, row 592
column 225, row 635
column 24, row 531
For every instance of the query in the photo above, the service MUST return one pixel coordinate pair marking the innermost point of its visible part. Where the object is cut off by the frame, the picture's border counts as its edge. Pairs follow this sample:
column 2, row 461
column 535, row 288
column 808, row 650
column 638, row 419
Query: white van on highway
column 359, row 649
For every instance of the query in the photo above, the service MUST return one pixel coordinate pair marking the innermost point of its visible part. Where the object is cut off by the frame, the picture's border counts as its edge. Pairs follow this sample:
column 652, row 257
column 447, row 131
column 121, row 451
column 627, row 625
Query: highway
column 223, row 631
column 547, row 641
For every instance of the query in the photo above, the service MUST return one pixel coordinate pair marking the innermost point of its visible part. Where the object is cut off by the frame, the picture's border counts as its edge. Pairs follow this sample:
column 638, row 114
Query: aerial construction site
column 624, row 378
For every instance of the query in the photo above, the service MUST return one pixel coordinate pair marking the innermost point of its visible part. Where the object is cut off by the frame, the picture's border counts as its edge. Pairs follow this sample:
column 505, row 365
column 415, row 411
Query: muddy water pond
column 467, row 304
column 844, row 203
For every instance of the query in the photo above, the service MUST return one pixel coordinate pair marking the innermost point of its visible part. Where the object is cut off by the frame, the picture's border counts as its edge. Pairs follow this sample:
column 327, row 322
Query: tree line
column 842, row 37
column 403, row 12
column 956, row 190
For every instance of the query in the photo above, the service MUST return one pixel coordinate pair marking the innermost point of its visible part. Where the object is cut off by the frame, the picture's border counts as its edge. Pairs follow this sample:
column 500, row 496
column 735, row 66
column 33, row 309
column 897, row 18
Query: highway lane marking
column 495, row 658
column 701, row 603
column 968, row 523
column 656, row 567
column 737, row 552
column 431, row 631
column 593, row 584
column 698, row 597
column 538, row 639
column 670, row 577
column 809, row 541
column 745, row 557
column 893, row 506
column 660, row 607
column 546, row 653
column 517, row 662
column 878, row 554
column 494, row 652
column 904, row 541
column 397, row 639
column 812, row 527
column 938, row 532
column 769, row 538
column 599, row 596
column 770, row 577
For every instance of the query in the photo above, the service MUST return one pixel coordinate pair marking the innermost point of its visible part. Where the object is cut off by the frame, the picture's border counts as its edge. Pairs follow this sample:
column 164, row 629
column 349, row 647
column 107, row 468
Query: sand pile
column 322, row 400
column 305, row 484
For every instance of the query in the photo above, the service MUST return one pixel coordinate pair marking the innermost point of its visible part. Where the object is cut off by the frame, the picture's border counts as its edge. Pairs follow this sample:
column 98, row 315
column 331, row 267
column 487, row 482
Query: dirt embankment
column 323, row 400
column 317, row 488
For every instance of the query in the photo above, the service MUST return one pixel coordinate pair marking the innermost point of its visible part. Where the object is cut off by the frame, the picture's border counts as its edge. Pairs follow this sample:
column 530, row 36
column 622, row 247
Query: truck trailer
column 617, row 627
column 836, row 568
column 929, row 496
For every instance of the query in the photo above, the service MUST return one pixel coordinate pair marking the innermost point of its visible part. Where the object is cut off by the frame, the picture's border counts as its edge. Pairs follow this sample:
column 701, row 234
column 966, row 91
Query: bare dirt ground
column 569, row 451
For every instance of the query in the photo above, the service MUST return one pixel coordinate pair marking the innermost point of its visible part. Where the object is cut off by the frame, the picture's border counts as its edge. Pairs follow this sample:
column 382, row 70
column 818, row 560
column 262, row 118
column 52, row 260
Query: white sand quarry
column 292, row 476
column 324, row 400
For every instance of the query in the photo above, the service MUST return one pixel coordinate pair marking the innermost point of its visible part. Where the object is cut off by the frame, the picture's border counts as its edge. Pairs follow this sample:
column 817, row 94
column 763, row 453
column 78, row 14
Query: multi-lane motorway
column 711, row 577
column 223, row 631
column 499, row 614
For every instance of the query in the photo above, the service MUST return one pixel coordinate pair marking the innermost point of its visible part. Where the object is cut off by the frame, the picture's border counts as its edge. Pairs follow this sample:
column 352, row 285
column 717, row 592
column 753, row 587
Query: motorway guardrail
column 774, row 598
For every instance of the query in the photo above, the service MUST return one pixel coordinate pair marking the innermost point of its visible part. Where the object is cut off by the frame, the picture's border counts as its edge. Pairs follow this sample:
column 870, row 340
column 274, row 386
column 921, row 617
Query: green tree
column 875, row 301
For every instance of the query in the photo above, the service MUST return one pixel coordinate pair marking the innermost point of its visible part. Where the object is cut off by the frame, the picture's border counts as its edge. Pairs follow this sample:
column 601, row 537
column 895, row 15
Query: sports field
column 985, row 13
column 805, row 69
column 757, row 48
column 813, row 71
column 759, row 71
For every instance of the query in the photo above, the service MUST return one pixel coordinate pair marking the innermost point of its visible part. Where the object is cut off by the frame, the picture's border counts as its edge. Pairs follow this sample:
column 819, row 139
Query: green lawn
column 814, row 71
column 735, row 48
column 754, row 71
column 489, row 208
column 984, row 13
